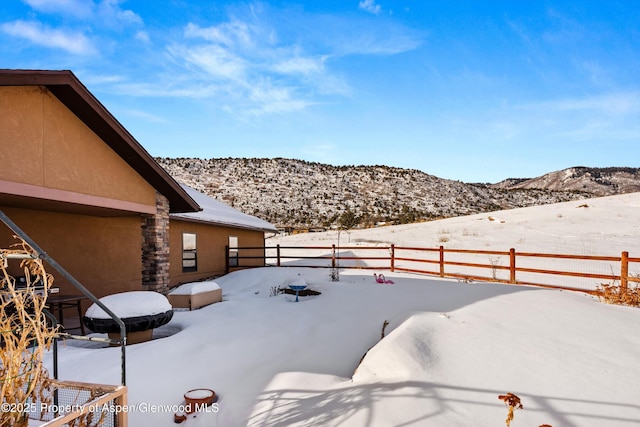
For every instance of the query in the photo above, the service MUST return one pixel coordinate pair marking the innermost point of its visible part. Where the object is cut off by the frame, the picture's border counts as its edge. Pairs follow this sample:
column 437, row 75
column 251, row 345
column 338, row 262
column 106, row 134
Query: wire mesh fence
column 65, row 403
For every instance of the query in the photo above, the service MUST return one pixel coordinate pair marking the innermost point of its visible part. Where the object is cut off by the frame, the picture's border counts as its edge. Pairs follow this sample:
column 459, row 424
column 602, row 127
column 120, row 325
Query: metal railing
column 114, row 394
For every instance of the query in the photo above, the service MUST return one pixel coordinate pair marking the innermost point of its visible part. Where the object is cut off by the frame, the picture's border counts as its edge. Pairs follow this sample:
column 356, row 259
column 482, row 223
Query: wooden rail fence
column 562, row 271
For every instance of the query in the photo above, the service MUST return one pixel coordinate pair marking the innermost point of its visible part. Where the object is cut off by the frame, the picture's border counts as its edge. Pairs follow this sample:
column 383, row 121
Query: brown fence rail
column 574, row 272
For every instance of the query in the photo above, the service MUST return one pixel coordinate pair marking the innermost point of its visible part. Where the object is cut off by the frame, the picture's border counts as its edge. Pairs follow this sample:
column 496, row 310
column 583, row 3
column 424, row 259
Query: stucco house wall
column 212, row 227
column 46, row 147
column 211, row 242
column 103, row 253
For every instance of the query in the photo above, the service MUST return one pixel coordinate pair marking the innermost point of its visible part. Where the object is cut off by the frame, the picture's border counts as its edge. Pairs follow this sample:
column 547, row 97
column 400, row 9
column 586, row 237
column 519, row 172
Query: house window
column 189, row 257
column 233, row 251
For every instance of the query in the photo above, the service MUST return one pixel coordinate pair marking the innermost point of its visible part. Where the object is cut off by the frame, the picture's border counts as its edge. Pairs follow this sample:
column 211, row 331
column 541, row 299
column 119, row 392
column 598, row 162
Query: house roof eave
column 65, row 86
column 185, row 218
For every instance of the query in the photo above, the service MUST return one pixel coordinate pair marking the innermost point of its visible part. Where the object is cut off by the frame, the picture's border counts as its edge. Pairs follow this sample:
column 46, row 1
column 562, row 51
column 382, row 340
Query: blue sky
column 476, row 91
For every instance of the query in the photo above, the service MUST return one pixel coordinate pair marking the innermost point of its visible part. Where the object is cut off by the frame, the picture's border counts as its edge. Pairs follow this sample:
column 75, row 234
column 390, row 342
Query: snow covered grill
column 141, row 312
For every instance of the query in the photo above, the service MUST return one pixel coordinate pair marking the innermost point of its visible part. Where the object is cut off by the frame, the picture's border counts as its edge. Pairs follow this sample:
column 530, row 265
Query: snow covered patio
column 450, row 349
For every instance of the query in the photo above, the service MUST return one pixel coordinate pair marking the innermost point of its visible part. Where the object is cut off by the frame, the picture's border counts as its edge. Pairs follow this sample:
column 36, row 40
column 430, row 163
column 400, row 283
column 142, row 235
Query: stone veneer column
column 155, row 247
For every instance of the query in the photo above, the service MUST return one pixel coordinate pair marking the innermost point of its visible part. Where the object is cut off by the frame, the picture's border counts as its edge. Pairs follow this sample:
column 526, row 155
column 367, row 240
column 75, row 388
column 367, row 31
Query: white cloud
column 105, row 12
column 620, row 103
column 144, row 115
column 212, row 34
column 342, row 36
column 231, row 34
column 370, row 6
column 143, row 36
column 101, row 79
column 110, row 12
column 77, row 8
column 300, row 65
column 249, row 66
column 216, row 61
column 271, row 99
column 254, row 72
column 169, row 88
column 39, row 34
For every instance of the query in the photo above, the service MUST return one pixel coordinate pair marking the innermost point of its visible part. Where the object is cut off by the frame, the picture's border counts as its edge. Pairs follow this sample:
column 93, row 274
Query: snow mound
column 131, row 304
column 195, row 288
column 403, row 354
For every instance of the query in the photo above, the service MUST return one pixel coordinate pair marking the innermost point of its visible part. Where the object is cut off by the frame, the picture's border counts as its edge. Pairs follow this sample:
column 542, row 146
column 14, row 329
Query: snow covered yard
column 450, row 348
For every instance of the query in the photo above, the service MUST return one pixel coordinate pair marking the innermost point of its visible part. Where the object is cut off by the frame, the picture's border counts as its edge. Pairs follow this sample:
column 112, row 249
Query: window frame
column 189, row 252
column 233, row 252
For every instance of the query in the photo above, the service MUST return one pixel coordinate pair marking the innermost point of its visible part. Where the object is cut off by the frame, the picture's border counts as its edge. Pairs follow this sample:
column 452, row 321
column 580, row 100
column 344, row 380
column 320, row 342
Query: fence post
column 393, row 257
column 624, row 271
column 512, row 266
column 278, row 254
column 441, row 261
column 226, row 259
column 333, row 256
column 121, row 402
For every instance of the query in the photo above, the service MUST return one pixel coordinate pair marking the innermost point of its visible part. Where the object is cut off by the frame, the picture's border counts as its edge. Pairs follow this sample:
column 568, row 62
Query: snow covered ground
column 602, row 226
column 449, row 349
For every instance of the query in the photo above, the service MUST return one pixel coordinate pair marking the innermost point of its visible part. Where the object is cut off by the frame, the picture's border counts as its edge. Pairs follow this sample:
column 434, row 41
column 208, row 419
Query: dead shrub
column 513, row 402
column 611, row 293
column 25, row 335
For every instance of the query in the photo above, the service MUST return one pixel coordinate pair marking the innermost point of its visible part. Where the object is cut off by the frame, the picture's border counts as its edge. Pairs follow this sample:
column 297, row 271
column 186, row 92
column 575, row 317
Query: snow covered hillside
column 602, row 226
column 295, row 193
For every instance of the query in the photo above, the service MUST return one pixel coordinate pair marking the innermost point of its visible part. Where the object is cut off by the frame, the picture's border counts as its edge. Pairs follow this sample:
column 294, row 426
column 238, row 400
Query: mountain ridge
column 294, row 193
column 599, row 181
